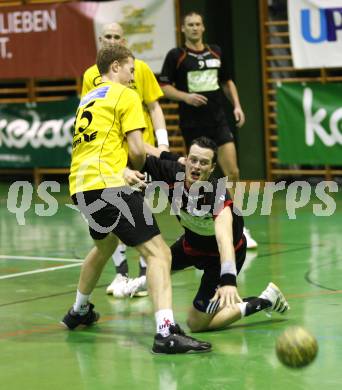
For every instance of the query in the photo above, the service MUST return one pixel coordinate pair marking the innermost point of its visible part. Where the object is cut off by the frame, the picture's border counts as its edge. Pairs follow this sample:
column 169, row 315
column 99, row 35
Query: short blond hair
column 110, row 53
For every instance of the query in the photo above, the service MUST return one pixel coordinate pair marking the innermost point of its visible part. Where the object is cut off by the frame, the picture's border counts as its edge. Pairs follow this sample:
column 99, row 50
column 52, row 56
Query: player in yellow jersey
column 147, row 87
column 107, row 134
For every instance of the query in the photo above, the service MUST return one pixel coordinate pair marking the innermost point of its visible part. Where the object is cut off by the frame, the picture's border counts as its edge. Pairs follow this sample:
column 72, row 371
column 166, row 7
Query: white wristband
column 162, row 138
column 228, row 267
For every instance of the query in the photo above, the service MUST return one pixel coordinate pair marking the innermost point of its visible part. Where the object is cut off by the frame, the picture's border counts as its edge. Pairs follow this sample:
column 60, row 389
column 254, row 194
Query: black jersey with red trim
column 195, row 207
column 199, row 72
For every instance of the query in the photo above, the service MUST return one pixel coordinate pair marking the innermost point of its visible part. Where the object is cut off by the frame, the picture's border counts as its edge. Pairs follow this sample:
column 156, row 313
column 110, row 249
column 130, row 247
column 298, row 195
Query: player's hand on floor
column 228, row 296
column 134, row 178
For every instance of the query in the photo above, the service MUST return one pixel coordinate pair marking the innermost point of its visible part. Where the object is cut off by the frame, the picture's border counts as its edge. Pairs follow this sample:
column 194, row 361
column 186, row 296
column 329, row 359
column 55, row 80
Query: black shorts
column 121, row 211
column 221, row 134
column 211, row 266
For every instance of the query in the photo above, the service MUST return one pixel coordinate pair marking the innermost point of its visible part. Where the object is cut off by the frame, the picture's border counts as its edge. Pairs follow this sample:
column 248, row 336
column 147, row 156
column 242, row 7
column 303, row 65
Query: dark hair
column 190, row 14
column 110, row 53
column 207, row 143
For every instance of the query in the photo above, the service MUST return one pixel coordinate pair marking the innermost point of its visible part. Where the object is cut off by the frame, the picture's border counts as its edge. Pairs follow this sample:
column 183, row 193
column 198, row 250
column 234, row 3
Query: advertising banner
column 60, row 40
column 309, row 119
column 315, row 33
column 37, row 135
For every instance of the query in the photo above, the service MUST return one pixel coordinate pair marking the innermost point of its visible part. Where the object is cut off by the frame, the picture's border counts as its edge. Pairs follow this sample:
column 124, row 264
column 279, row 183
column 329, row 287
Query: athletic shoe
column 72, row 319
column 178, row 342
column 273, row 294
column 118, row 286
column 251, row 243
column 137, row 287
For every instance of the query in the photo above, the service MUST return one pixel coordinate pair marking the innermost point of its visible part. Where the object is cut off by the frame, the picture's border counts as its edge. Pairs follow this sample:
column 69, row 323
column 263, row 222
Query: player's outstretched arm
column 227, row 292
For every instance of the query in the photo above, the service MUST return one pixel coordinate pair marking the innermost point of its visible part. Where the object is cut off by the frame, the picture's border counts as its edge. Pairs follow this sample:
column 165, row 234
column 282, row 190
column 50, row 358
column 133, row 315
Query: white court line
column 40, row 258
column 37, row 271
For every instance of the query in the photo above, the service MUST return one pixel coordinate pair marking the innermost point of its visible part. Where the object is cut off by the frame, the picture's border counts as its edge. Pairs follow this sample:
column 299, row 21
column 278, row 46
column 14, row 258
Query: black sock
column 122, row 268
column 256, row 304
column 142, row 270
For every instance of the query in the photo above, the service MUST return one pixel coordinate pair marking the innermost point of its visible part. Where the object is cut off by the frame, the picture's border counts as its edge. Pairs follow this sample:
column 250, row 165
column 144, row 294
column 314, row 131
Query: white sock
column 242, row 307
column 142, row 262
column 81, row 304
column 119, row 255
column 164, row 318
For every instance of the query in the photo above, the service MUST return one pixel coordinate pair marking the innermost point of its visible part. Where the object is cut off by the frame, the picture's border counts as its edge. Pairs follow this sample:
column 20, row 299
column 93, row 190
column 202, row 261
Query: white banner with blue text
column 315, row 33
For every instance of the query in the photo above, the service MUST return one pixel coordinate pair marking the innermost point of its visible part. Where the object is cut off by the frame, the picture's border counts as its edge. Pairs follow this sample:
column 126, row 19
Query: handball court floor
column 39, row 268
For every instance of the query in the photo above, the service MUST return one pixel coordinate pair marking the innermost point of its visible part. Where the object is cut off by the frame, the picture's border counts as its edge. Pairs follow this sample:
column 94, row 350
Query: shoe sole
column 141, row 294
column 120, row 297
column 191, row 352
column 65, row 325
column 281, row 296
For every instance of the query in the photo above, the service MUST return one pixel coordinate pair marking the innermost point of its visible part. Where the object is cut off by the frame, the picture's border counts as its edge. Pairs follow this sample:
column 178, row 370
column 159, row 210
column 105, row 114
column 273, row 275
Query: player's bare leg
column 95, row 261
column 158, row 258
column 82, row 312
column 270, row 300
column 227, row 159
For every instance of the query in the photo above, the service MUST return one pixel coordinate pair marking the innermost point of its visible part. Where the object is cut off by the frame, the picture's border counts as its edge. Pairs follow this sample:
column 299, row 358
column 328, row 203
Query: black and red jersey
column 195, row 207
column 199, row 72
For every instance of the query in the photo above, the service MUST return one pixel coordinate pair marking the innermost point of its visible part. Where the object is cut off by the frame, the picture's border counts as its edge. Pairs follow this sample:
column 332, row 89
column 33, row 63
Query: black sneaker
column 72, row 319
column 178, row 342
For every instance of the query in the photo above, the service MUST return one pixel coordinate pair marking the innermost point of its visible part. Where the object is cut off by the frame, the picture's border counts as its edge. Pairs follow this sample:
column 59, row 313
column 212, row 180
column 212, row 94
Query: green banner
column 37, row 134
column 309, row 119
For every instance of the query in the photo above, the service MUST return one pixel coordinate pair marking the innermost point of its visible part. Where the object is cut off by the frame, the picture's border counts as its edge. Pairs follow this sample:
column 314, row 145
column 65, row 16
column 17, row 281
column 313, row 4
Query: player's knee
column 163, row 254
column 103, row 253
column 195, row 326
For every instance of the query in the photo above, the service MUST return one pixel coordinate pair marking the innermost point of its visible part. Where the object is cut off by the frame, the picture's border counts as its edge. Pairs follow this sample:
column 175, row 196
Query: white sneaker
column 137, row 287
column 118, row 286
column 273, row 294
column 251, row 243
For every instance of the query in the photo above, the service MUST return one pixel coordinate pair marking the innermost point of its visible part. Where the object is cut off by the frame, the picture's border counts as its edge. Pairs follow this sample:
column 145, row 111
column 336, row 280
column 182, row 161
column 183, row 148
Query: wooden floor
column 39, row 267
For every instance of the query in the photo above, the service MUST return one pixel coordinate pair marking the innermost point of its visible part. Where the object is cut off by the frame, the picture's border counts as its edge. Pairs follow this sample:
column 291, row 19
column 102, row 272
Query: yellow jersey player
column 107, row 133
column 145, row 84
column 147, row 87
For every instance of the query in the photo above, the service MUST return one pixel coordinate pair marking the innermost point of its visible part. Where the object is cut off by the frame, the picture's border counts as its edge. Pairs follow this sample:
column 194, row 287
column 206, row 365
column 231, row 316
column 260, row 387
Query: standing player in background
column 193, row 75
column 107, row 134
column 147, row 87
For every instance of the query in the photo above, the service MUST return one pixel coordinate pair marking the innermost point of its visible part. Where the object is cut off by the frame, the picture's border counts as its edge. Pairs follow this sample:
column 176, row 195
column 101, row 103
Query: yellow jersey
column 145, row 84
column 99, row 148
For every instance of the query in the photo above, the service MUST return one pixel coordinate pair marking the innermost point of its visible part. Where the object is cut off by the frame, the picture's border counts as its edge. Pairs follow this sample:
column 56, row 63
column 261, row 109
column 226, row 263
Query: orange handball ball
column 296, row 347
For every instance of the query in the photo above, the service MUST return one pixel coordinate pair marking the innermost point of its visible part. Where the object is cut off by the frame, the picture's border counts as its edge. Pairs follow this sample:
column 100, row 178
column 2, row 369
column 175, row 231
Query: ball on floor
column 296, row 347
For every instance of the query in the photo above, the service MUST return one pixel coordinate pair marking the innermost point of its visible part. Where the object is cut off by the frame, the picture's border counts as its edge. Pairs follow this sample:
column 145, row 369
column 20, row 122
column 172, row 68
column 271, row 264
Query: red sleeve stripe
column 181, row 59
column 189, row 250
column 213, row 52
column 227, row 203
column 238, row 245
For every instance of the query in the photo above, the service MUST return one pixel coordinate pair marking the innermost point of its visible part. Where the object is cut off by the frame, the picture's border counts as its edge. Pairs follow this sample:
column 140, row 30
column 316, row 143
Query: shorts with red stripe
column 184, row 256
